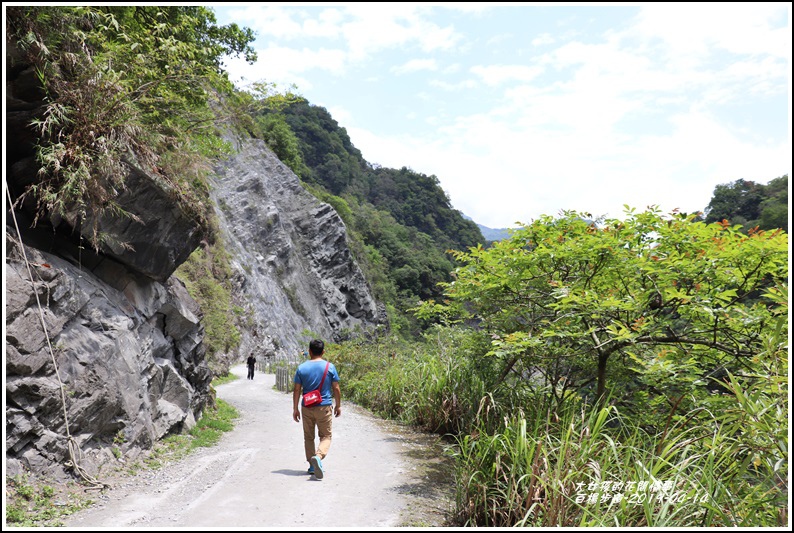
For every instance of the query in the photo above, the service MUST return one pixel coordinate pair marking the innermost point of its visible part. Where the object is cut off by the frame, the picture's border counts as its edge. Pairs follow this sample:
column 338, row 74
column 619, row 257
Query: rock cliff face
column 294, row 270
column 123, row 333
column 129, row 356
column 121, row 329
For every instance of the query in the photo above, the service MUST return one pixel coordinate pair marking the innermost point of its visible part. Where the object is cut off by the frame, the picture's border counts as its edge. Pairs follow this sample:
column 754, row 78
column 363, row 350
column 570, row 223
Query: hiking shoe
column 317, row 464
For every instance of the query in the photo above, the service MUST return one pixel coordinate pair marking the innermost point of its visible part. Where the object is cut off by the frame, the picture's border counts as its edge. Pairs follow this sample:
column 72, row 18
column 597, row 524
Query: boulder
column 130, row 362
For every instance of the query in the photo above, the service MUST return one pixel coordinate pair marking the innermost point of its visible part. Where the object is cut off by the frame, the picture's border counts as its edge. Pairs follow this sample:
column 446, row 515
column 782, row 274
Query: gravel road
column 377, row 474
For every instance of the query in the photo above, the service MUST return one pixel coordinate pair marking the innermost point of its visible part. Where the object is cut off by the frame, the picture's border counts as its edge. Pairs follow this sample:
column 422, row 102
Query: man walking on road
column 316, row 373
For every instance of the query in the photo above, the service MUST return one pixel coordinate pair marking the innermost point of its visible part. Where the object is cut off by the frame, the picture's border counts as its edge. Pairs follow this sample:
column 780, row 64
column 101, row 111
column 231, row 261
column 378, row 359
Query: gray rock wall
column 293, row 268
column 126, row 337
column 129, row 354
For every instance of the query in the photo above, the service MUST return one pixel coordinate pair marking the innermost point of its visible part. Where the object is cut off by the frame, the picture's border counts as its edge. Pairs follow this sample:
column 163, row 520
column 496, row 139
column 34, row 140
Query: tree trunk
column 601, row 386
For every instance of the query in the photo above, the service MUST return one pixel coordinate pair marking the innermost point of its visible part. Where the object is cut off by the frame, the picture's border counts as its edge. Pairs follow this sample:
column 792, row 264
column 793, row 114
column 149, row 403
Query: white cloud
column 453, row 87
column 285, row 22
column 375, row 27
column 767, row 75
column 270, row 21
column 468, row 7
column 286, row 65
column 415, row 65
column 498, row 39
column 494, row 75
column 365, row 29
column 693, row 28
column 543, row 38
column 328, row 24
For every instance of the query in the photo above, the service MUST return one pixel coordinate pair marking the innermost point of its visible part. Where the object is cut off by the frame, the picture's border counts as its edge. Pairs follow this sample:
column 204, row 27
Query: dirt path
column 377, row 474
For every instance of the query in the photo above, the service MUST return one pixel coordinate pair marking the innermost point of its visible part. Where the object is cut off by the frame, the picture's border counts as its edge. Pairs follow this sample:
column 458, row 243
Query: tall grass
column 435, row 387
column 520, row 462
column 593, row 468
column 542, row 470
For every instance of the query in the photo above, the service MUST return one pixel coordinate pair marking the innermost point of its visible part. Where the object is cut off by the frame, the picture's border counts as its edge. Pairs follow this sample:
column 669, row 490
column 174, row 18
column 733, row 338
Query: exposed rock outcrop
column 294, row 269
column 125, row 334
column 129, row 355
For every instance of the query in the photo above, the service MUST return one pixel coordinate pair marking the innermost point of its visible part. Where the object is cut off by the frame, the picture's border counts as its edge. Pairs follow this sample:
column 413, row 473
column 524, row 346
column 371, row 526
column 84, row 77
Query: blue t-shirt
column 310, row 373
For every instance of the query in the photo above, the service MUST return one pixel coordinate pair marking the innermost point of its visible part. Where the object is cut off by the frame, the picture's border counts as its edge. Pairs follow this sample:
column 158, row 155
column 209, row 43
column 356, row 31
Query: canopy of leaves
column 751, row 204
column 280, row 138
column 565, row 296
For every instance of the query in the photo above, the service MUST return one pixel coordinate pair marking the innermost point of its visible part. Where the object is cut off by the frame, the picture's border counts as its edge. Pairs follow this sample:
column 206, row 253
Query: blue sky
column 522, row 110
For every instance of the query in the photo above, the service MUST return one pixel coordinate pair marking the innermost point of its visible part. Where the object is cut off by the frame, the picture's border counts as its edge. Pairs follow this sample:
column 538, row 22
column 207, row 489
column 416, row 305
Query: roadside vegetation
column 205, row 434
column 124, row 86
column 206, row 275
column 33, row 502
column 226, row 378
column 602, row 373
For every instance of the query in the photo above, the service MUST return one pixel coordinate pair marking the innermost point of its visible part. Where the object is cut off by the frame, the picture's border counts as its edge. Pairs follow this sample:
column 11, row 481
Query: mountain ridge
column 494, row 234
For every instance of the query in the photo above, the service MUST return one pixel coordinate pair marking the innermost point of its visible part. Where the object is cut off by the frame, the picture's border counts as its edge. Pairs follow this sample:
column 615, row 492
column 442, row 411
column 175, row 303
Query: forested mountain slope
column 751, row 204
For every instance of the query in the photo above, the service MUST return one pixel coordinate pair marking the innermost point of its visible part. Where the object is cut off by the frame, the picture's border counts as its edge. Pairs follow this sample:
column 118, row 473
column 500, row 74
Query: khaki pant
column 321, row 416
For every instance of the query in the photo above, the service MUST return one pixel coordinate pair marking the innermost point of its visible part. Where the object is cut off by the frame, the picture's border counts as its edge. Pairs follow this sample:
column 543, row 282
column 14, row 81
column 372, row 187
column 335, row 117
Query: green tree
column 566, row 296
column 127, row 85
column 737, row 202
column 207, row 277
column 774, row 208
column 279, row 137
column 751, row 204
